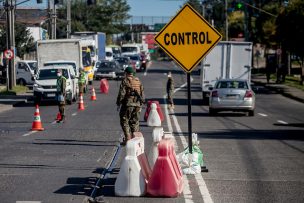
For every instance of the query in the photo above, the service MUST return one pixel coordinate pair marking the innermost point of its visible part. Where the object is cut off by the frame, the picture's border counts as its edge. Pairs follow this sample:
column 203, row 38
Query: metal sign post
column 189, row 112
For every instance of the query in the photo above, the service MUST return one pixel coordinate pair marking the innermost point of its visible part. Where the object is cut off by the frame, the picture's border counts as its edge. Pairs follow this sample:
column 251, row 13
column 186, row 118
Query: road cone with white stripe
column 81, row 104
column 93, row 97
column 37, row 125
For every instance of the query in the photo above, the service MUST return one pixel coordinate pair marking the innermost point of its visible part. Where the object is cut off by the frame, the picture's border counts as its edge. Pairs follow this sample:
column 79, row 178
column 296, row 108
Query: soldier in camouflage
column 130, row 100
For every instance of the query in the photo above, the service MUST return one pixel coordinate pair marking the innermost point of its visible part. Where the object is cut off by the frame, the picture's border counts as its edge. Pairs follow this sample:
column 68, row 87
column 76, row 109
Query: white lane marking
column 186, row 191
column 54, row 122
column 282, row 122
column 199, row 179
column 74, row 114
column 29, row 133
column 145, row 73
column 28, row 201
column 261, row 114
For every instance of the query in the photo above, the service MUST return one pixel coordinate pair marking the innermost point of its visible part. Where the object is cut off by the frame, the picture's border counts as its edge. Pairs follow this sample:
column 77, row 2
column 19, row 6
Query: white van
column 25, row 71
column 109, row 54
column 45, row 86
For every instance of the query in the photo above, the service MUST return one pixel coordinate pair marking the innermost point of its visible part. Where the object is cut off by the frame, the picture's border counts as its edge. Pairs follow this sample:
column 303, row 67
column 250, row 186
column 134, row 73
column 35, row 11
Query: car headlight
column 37, row 86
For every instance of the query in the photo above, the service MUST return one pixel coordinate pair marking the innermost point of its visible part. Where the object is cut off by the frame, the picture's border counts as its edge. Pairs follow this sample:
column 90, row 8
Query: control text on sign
column 187, row 38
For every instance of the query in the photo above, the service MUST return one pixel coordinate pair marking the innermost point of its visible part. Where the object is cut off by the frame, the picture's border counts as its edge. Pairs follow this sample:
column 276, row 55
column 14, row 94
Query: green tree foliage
column 24, row 42
column 290, row 30
column 106, row 16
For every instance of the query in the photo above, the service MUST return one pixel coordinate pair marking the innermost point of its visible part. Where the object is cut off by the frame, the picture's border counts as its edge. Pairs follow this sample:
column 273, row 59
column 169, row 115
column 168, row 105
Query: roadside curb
column 279, row 90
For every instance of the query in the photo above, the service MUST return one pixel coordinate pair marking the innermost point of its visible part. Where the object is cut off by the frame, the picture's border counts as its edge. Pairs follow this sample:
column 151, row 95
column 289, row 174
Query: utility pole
column 54, row 16
column 226, row 21
column 69, row 19
column 10, row 42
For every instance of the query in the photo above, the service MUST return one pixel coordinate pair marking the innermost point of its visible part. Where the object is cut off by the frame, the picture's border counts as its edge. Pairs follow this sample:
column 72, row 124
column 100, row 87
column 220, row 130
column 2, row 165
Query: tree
column 106, row 16
column 24, row 42
column 290, row 30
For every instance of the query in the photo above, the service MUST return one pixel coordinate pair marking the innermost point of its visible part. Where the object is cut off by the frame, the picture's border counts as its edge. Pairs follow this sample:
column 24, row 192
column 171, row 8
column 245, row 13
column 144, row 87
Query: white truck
column 25, row 72
column 228, row 59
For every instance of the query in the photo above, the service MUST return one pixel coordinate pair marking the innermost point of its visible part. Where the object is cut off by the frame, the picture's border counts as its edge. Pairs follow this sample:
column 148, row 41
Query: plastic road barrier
column 104, row 86
column 153, row 118
column 134, row 171
column 158, row 108
column 166, row 178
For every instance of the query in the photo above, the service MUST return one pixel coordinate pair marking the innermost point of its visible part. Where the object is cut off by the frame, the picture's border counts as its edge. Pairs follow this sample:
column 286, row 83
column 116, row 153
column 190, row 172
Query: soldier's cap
column 129, row 70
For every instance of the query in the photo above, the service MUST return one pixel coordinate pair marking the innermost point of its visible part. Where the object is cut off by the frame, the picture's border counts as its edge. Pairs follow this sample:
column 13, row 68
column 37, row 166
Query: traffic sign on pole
column 8, row 54
column 187, row 38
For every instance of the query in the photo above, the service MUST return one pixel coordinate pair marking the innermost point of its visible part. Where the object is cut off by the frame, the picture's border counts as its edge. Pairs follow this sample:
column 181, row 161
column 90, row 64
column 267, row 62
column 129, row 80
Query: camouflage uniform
column 61, row 86
column 130, row 98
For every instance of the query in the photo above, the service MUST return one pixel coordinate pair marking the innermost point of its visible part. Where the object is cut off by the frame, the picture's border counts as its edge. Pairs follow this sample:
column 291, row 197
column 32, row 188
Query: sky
column 155, row 7
column 138, row 7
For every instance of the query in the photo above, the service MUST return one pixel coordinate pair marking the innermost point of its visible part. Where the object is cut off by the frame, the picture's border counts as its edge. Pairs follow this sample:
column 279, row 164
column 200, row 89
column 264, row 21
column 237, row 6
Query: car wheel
column 37, row 100
column 212, row 112
column 251, row 113
column 90, row 82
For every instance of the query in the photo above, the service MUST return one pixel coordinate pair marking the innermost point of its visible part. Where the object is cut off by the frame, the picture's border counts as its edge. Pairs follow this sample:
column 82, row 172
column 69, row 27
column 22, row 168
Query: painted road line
column 29, row 133
column 28, row 201
column 199, row 179
column 74, row 114
column 282, row 122
column 261, row 114
column 186, row 191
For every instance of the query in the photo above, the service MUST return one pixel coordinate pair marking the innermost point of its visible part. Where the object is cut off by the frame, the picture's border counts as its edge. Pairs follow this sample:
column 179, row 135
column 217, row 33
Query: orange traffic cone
column 37, row 126
column 81, row 104
column 58, row 116
column 93, row 97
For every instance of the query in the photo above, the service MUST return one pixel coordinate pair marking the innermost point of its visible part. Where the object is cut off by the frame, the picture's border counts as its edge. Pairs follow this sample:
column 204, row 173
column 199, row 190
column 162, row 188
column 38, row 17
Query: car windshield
column 135, row 58
column 129, row 49
column 62, row 63
column 232, row 84
column 106, row 65
column 122, row 60
column 48, row 74
column 33, row 65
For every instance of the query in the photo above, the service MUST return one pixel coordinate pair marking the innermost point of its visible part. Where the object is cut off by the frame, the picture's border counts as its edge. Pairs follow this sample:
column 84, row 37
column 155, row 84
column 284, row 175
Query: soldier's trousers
column 129, row 120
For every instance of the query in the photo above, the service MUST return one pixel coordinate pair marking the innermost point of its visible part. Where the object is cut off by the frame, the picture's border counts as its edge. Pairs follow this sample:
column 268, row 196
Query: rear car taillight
column 214, row 94
column 248, row 94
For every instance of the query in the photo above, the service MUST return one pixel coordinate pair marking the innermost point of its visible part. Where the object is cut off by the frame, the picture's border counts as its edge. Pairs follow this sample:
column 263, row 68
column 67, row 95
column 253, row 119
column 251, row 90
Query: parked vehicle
column 232, row 95
column 116, row 50
column 25, row 72
column 130, row 49
column 136, row 60
column 74, row 50
column 227, row 60
column 109, row 54
column 123, row 61
column 109, row 69
column 45, row 84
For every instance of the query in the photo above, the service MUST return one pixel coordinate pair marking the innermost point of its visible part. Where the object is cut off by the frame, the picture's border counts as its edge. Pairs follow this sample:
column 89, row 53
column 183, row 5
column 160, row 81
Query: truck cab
column 25, row 71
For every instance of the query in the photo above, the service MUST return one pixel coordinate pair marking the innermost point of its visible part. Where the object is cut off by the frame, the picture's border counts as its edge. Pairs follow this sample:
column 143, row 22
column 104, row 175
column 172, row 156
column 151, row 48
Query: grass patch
column 290, row 81
column 18, row 89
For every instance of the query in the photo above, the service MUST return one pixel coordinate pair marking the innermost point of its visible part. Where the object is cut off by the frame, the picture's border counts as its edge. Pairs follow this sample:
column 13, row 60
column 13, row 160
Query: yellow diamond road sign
column 187, row 38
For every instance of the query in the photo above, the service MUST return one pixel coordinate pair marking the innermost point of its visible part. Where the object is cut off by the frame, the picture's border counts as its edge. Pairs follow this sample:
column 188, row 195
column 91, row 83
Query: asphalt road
column 250, row 159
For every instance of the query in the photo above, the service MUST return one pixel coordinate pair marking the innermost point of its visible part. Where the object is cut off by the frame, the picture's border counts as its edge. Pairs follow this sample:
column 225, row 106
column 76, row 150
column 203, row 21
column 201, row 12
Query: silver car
column 232, row 95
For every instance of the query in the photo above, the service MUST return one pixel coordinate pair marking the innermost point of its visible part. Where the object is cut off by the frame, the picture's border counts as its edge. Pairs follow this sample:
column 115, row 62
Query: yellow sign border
column 168, row 52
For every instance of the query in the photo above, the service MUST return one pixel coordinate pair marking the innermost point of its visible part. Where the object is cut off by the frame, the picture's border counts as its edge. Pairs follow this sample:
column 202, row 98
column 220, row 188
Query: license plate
column 231, row 96
column 50, row 95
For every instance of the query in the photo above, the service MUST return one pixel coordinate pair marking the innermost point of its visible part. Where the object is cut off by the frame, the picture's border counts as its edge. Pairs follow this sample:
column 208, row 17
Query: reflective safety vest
column 61, row 84
column 82, row 78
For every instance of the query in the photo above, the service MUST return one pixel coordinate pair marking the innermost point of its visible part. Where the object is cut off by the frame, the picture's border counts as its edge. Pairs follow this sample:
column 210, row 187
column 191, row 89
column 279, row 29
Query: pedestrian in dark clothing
column 170, row 91
column 129, row 101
